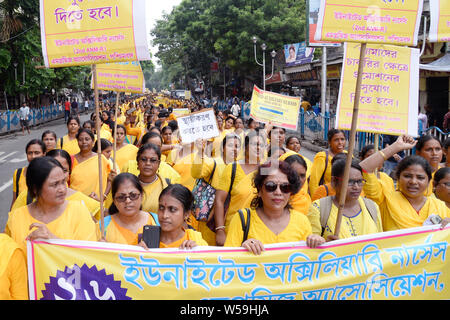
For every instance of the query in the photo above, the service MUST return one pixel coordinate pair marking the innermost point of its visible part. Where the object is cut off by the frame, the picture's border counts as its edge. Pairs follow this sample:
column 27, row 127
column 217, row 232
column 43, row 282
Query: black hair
column 270, row 132
column 296, row 158
column 89, row 132
column 150, row 135
column 37, row 173
column 293, row 137
column 231, row 136
column 229, row 117
column 366, row 149
column 53, row 133
column 332, row 132
column 118, row 180
column 61, row 153
column 339, row 156
column 181, row 193
column 119, row 126
column 73, row 117
column 166, row 128
column 148, row 146
column 36, row 141
column 413, row 160
column 251, row 135
column 92, row 123
column 440, row 174
column 338, row 167
column 447, row 143
column 424, row 139
column 104, row 143
column 173, row 124
column 274, row 149
column 259, row 178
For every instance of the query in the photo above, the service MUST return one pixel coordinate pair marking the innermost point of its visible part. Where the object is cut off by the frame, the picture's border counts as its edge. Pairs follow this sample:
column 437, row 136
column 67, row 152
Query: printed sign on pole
column 389, row 90
column 370, row 21
column 77, row 32
column 440, row 21
column 120, row 76
column 279, row 109
column 198, row 125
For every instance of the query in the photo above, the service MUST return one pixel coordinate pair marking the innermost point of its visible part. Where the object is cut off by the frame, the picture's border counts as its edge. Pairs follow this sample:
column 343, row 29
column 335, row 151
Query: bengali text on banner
column 404, row 264
column 440, row 21
column 388, row 92
column 279, row 109
column 371, row 21
column 77, row 32
column 124, row 76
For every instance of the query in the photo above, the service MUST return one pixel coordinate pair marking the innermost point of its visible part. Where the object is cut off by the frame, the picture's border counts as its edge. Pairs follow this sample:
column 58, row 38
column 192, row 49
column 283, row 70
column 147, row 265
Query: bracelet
column 221, row 227
column 383, row 155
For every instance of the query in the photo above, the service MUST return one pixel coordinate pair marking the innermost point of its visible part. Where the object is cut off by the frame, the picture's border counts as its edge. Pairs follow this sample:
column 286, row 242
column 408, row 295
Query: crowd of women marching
column 247, row 187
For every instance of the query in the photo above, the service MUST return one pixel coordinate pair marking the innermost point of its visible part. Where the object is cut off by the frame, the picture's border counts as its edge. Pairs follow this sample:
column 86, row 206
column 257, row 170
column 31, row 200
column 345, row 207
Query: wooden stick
column 115, row 130
column 376, row 145
column 351, row 145
column 99, row 149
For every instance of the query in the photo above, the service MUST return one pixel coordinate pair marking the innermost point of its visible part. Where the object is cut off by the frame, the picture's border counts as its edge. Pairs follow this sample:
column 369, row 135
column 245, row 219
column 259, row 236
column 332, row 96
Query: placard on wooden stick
column 198, row 125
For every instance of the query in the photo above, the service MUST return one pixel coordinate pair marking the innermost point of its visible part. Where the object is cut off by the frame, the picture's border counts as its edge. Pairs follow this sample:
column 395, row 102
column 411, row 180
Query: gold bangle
column 383, row 155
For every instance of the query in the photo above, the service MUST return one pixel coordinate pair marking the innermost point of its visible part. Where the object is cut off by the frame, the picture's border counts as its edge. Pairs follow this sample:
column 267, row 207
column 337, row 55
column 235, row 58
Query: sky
column 154, row 11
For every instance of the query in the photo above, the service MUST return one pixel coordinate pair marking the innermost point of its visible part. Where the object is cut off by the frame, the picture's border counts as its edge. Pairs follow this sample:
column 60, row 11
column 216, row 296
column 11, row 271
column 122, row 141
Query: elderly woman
column 126, row 219
column 50, row 216
column 407, row 206
column 270, row 218
column 175, row 203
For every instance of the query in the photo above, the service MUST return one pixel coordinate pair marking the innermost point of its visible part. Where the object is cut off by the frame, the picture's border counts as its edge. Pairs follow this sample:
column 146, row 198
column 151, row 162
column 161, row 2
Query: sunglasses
column 132, row 196
column 272, row 186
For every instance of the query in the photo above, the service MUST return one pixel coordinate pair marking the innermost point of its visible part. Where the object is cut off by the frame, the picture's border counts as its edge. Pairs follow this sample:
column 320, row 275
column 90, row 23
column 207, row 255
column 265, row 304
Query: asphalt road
column 12, row 156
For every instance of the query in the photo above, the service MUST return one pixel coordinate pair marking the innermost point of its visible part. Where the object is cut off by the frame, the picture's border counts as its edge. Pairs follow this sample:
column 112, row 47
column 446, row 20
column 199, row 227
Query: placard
column 279, row 109
column 370, row 21
column 297, row 53
column 77, row 32
column 312, row 8
column 389, row 89
column 440, row 21
column 198, row 125
column 124, row 76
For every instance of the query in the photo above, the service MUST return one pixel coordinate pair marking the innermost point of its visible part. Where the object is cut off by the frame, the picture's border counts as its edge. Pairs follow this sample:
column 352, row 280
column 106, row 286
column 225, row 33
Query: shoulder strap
column 212, row 172
column 372, row 208
column 325, row 209
column 29, row 198
column 326, row 189
column 106, row 220
column 322, row 179
column 155, row 218
column 245, row 225
column 233, row 175
column 61, row 141
column 18, row 173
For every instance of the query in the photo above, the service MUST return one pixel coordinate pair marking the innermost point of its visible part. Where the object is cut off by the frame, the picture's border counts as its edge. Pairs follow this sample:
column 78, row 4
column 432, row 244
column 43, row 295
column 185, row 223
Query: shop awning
column 442, row 64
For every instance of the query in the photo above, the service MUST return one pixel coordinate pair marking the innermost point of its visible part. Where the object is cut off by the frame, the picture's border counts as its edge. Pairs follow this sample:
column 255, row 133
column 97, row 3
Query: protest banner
column 76, row 32
column 198, row 125
column 380, row 21
column 440, row 21
column 395, row 265
column 389, row 89
column 181, row 111
column 124, row 76
column 281, row 110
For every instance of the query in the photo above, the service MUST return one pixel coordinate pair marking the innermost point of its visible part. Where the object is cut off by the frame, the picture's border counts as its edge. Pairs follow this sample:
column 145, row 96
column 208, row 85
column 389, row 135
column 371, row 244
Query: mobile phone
column 151, row 235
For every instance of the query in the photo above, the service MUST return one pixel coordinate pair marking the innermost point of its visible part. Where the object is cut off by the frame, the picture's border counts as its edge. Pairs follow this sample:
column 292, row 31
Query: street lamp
column 15, row 64
column 263, row 64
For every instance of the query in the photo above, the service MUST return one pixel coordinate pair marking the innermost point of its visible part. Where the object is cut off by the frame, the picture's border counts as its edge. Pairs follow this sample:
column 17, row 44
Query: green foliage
column 197, row 31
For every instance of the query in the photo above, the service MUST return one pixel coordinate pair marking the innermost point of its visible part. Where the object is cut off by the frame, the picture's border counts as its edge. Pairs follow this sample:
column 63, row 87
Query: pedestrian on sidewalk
column 66, row 110
column 24, row 112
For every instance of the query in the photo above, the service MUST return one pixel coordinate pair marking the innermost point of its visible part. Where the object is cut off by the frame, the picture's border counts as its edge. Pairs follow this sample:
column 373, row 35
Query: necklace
column 148, row 183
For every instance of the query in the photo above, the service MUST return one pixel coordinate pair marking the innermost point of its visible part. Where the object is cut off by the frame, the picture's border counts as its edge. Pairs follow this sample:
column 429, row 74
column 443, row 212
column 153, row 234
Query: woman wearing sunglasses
column 271, row 218
column 359, row 216
column 126, row 220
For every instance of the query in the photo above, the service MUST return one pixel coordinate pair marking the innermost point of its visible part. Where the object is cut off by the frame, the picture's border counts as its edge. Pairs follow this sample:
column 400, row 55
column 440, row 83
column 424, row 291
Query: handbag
column 204, row 196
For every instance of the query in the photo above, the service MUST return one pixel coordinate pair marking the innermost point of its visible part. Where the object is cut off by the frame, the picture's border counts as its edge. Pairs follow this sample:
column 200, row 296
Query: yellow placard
column 371, row 21
column 77, row 32
column 181, row 111
column 406, row 264
column 388, row 93
column 440, row 21
column 279, row 109
column 120, row 76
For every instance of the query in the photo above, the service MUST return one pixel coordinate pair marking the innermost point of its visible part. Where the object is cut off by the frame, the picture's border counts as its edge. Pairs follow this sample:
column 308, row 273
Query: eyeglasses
column 151, row 160
column 132, row 196
column 359, row 182
column 272, row 186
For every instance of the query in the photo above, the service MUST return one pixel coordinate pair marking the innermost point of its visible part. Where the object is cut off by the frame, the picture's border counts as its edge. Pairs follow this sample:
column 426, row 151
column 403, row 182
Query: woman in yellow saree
column 124, row 150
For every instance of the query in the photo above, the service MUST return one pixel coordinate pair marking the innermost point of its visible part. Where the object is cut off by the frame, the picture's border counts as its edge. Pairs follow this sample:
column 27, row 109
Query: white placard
column 198, row 125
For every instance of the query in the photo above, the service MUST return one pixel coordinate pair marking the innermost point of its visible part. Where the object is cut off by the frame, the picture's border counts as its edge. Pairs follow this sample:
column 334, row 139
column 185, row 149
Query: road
column 12, row 156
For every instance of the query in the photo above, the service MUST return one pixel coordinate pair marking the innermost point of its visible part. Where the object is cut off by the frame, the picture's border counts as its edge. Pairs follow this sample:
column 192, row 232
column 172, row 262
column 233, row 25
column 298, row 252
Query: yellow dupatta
column 85, row 175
